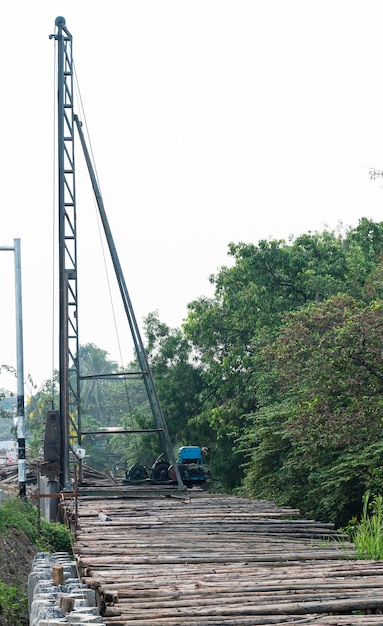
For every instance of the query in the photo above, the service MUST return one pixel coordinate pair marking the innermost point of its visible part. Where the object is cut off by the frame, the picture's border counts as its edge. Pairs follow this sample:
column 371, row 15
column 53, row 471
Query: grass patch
column 20, row 532
column 367, row 535
column 21, row 514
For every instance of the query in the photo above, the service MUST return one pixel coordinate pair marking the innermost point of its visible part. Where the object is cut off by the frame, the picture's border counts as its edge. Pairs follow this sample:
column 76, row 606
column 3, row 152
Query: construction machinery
column 190, row 465
column 67, row 431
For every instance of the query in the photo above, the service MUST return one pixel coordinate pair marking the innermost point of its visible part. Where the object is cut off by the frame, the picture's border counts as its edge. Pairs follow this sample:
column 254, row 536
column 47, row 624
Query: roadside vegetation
column 279, row 374
column 367, row 533
column 16, row 513
column 22, row 534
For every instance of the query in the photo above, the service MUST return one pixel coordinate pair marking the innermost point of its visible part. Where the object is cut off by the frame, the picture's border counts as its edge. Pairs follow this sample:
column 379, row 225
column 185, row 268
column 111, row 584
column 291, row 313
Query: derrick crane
column 69, row 367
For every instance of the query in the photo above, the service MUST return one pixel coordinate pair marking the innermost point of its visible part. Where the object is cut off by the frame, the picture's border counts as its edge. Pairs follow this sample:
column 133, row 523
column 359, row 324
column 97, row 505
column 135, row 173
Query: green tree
column 178, row 379
column 364, row 250
column 95, row 393
column 252, row 297
column 46, row 399
column 315, row 442
column 178, row 383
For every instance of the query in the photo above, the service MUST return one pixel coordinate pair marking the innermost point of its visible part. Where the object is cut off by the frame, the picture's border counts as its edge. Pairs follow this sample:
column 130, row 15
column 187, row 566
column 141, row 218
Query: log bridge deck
column 195, row 558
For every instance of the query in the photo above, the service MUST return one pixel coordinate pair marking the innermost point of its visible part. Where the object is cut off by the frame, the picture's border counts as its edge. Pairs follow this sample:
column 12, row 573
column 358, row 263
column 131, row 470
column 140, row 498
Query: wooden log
column 220, row 602
column 252, row 609
column 238, row 564
column 58, row 574
column 66, row 603
column 334, row 620
column 186, row 559
column 145, row 586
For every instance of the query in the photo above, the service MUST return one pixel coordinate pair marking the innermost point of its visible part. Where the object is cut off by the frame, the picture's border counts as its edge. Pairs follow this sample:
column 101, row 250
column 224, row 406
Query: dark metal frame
column 69, row 377
column 69, row 343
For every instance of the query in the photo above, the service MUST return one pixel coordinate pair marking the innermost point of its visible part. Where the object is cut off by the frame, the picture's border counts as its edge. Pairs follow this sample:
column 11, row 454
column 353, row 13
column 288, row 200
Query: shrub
column 21, row 514
column 13, row 604
column 57, row 536
column 367, row 535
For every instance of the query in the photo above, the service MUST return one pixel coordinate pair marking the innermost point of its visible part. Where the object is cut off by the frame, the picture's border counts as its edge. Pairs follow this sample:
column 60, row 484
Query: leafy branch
column 374, row 173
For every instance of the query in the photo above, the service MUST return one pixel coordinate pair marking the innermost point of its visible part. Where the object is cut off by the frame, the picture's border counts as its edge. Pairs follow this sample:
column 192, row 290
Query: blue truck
column 191, row 465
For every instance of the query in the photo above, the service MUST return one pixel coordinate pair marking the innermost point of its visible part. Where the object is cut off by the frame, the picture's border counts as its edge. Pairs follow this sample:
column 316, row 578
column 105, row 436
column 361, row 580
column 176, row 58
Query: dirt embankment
column 16, row 555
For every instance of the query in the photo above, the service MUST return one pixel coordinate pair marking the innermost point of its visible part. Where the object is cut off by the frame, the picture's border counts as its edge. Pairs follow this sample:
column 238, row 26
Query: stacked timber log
column 197, row 559
column 8, row 472
column 35, row 467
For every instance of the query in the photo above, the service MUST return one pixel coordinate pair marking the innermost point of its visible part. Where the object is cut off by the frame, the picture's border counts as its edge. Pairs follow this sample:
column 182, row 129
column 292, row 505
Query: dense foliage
column 291, row 354
column 279, row 374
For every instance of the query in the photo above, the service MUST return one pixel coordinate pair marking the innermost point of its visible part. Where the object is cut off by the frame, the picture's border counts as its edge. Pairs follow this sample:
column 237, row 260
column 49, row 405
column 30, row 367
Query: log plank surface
column 197, row 558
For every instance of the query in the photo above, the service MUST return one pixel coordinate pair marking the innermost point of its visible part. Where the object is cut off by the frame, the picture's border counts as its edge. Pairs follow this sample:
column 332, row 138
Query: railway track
column 195, row 558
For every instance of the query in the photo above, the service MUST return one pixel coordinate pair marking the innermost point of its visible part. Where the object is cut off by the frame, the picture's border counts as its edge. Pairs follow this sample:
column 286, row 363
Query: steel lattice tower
column 70, row 378
column 68, row 320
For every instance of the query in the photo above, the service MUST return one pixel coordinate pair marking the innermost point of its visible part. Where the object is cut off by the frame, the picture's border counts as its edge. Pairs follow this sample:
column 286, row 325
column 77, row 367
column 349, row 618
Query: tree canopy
column 279, row 374
column 290, row 351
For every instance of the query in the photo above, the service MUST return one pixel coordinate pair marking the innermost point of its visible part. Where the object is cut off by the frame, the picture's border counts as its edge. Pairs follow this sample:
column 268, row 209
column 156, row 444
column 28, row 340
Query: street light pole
column 22, row 468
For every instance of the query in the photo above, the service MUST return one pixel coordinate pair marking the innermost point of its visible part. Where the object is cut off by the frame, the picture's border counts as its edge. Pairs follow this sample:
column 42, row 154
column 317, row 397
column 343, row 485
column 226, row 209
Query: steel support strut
column 151, row 391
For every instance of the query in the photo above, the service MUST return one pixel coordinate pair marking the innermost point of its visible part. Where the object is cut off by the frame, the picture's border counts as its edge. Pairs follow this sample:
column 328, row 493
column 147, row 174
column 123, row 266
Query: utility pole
column 22, row 470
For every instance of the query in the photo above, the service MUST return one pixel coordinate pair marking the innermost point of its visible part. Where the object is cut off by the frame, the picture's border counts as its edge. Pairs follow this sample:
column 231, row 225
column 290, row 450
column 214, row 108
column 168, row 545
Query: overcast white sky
column 211, row 121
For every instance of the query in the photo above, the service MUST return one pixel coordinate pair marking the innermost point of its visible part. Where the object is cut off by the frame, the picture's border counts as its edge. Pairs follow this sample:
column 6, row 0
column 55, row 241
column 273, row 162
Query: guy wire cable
column 84, row 119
